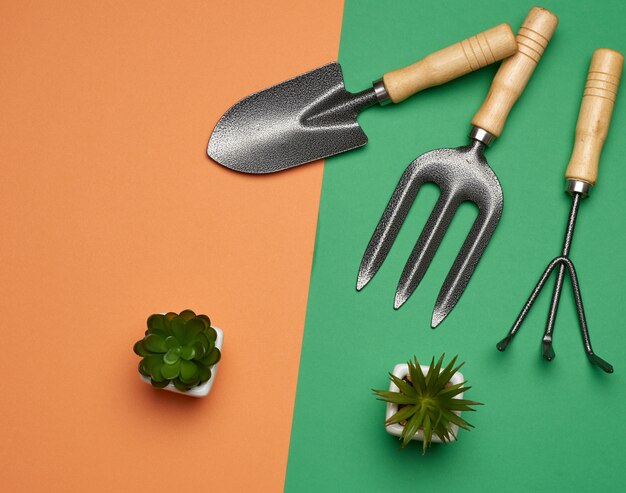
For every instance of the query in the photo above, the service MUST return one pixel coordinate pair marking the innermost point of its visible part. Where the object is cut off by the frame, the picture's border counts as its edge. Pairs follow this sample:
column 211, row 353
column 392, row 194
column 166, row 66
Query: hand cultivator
column 582, row 172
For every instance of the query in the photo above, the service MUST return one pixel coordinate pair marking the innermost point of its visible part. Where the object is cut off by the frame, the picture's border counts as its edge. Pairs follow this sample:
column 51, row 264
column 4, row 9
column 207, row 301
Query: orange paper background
column 110, row 211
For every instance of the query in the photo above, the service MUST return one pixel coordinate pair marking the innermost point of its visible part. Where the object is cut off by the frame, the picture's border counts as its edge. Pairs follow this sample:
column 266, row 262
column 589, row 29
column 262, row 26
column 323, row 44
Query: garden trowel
column 312, row 116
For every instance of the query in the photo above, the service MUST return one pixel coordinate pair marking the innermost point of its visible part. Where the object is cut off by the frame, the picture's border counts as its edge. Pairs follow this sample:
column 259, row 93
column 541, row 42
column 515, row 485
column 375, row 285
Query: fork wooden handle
column 449, row 63
column 514, row 73
column 595, row 113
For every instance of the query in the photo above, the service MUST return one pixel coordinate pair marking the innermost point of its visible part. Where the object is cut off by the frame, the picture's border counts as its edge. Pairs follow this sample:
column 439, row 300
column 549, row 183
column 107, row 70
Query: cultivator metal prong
column 546, row 342
column 502, row 345
column 594, row 358
column 548, row 351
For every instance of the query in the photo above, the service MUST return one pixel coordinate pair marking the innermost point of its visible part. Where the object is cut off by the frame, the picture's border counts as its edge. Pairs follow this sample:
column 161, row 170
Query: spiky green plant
column 428, row 402
column 178, row 348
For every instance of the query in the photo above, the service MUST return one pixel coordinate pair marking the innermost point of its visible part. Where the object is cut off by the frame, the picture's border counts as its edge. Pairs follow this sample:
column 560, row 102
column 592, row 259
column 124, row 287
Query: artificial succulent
column 427, row 402
column 178, row 348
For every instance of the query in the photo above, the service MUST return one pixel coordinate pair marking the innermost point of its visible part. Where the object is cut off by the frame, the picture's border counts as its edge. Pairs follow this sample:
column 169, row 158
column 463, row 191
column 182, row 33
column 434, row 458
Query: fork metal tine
column 426, row 246
column 389, row 225
column 465, row 262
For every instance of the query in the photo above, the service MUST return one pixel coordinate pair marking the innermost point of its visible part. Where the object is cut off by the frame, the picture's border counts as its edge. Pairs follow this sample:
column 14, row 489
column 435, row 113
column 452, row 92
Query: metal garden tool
column 462, row 174
column 581, row 174
column 312, row 116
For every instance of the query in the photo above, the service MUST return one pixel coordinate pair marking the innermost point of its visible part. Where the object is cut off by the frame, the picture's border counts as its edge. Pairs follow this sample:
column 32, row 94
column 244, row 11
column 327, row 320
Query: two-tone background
column 110, row 211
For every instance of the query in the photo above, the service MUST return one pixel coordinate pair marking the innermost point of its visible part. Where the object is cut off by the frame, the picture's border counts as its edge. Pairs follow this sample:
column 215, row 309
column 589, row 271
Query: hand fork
column 462, row 174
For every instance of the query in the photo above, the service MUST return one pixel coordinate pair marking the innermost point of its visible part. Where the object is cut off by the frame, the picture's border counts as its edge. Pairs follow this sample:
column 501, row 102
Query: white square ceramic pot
column 200, row 390
column 402, row 371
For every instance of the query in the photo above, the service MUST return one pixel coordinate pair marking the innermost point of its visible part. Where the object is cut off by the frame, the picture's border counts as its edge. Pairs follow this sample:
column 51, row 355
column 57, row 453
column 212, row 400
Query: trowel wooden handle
column 595, row 113
column 449, row 63
column 514, row 73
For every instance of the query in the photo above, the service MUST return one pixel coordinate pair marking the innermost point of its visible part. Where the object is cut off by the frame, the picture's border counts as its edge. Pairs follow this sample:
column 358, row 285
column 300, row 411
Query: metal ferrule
column 482, row 135
column 578, row 187
column 381, row 93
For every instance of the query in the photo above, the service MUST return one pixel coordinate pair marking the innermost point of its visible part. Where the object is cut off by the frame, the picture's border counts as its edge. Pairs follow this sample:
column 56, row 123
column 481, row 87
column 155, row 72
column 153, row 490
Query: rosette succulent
column 178, row 348
column 428, row 402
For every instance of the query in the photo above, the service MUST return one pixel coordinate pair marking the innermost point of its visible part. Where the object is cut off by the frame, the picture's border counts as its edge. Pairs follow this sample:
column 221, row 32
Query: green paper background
column 545, row 426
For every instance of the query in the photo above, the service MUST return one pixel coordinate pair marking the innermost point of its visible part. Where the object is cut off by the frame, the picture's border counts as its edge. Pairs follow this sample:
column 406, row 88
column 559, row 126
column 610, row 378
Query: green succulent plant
column 427, row 402
column 178, row 348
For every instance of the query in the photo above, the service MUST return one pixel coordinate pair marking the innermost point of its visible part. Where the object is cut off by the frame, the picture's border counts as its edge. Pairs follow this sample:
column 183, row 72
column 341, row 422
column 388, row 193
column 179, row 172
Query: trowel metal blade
column 303, row 119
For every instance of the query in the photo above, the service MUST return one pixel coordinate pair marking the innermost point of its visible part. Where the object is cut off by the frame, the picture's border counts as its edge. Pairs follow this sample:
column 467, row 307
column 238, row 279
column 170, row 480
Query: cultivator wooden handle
column 449, row 63
column 514, row 73
column 595, row 113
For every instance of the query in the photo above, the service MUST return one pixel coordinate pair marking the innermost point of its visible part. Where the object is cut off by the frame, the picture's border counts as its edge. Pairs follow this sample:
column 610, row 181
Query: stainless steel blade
column 303, row 119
